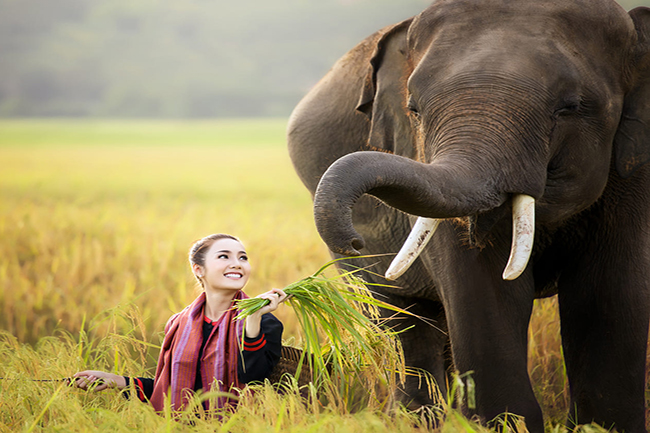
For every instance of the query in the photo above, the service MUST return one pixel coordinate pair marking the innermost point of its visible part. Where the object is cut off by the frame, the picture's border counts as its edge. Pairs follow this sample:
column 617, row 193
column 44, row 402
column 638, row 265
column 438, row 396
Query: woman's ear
column 197, row 270
column 632, row 140
column 382, row 97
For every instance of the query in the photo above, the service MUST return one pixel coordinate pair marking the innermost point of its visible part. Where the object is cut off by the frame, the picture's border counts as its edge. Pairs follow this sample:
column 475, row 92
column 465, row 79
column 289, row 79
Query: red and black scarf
column 177, row 363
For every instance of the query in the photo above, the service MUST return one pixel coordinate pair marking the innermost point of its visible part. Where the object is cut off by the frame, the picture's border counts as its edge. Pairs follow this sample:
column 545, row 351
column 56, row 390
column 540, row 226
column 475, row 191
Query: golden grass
column 95, row 222
column 88, row 227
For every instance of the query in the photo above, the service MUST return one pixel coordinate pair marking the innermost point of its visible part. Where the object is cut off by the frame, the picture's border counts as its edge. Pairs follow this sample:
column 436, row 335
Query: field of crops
column 96, row 218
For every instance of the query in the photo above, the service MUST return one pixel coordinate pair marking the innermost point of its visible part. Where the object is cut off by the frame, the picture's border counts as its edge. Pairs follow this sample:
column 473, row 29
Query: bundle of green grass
column 352, row 355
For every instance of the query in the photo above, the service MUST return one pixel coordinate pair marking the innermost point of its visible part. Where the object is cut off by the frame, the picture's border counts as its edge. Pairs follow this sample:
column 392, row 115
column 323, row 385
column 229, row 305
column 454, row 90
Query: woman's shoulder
column 170, row 322
column 173, row 319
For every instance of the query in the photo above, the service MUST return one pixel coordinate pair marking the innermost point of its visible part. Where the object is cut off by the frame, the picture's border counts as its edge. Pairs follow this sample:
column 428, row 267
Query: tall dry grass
column 87, row 224
column 96, row 219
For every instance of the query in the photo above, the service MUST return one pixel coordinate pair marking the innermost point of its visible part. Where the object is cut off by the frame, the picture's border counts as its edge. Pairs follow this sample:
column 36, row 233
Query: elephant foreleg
column 488, row 320
column 604, row 311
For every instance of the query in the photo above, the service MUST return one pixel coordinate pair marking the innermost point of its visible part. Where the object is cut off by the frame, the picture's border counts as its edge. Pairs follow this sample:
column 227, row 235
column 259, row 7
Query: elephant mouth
column 523, row 234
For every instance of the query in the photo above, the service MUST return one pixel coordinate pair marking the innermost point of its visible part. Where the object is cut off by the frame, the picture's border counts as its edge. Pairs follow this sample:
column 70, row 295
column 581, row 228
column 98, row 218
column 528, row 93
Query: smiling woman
column 201, row 350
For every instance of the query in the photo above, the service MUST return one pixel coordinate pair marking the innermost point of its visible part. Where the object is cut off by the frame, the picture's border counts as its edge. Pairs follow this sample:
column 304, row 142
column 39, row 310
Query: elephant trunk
column 431, row 191
column 437, row 190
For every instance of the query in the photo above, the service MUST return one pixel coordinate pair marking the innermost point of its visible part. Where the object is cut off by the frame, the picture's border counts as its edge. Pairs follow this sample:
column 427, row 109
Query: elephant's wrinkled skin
column 449, row 115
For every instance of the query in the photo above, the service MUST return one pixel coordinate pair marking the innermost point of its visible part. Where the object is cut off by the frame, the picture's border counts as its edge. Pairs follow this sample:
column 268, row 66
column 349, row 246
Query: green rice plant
column 345, row 342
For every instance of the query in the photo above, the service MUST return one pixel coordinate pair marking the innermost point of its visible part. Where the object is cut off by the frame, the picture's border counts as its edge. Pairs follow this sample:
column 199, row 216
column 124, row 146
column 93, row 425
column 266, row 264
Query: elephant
column 520, row 132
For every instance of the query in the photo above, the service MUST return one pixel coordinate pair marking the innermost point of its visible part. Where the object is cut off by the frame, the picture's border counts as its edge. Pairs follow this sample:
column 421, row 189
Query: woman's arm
column 98, row 380
column 262, row 353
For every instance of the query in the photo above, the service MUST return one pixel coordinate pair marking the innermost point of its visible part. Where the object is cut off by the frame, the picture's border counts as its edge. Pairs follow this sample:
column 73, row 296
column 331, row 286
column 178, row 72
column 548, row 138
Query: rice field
column 96, row 218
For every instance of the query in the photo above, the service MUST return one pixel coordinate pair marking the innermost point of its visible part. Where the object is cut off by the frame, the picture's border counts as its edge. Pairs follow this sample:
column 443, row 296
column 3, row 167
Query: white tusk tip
column 511, row 274
column 392, row 275
column 396, row 269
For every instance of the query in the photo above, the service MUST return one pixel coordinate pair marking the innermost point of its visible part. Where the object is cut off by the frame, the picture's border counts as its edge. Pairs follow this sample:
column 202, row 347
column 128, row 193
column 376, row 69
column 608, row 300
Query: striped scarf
column 177, row 363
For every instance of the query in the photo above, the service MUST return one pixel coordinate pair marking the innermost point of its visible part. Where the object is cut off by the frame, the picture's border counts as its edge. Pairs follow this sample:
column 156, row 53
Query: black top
column 260, row 355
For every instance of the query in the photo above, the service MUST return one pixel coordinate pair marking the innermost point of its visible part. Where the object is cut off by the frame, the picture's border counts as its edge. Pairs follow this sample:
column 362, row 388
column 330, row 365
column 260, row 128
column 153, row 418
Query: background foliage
column 178, row 58
column 175, row 58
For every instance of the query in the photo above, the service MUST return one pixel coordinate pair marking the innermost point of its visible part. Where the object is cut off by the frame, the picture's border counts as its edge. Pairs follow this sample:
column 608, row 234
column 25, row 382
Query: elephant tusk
column 523, row 234
column 523, row 217
column 422, row 231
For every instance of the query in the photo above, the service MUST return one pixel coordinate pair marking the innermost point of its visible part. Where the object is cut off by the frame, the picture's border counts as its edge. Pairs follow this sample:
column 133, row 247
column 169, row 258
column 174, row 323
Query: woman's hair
column 201, row 247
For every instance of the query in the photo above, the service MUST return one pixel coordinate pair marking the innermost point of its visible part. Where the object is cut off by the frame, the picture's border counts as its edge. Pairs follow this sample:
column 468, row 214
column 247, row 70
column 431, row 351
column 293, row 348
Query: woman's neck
column 218, row 302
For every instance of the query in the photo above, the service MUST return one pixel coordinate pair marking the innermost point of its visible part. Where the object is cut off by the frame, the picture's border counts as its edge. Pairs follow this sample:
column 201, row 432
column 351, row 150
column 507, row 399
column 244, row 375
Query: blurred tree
column 177, row 58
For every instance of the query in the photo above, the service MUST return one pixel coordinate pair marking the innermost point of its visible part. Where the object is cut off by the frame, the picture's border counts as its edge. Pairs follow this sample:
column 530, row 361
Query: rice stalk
column 47, row 406
column 349, row 350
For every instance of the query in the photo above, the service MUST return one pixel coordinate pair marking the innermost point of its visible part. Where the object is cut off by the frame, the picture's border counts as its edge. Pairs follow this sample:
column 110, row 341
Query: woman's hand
column 275, row 296
column 98, row 380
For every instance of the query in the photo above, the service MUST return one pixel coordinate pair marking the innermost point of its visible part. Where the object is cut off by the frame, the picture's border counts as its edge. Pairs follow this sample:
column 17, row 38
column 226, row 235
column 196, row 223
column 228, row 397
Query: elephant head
column 490, row 106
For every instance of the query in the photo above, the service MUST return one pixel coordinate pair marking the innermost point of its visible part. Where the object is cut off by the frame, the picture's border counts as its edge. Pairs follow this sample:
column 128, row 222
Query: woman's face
column 226, row 266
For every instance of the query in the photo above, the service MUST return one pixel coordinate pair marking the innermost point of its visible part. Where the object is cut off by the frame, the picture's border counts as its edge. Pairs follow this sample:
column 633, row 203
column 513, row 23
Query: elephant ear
column 382, row 97
column 632, row 140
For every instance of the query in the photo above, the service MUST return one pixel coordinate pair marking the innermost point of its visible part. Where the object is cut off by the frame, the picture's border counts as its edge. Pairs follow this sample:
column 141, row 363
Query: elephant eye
column 569, row 107
column 411, row 106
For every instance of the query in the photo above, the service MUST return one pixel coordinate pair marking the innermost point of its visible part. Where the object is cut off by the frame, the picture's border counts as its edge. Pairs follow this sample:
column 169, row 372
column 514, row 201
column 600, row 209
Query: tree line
column 177, row 58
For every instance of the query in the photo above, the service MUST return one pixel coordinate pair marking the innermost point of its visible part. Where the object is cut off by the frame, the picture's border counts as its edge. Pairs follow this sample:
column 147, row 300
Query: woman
column 202, row 345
